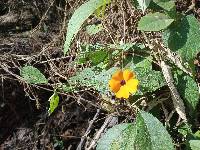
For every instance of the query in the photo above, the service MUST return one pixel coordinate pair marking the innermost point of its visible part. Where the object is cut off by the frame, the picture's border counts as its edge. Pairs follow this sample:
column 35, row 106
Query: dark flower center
column 123, row 82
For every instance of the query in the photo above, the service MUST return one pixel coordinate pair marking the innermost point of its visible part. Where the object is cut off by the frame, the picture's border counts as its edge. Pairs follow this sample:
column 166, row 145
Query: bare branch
column 177, row 101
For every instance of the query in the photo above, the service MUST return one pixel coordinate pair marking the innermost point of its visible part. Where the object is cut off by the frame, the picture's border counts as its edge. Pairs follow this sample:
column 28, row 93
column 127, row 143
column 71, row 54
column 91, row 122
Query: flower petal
column 127, row 75
column 132, row 85
column 114, row 85
column 118, row 75
column 123, row 92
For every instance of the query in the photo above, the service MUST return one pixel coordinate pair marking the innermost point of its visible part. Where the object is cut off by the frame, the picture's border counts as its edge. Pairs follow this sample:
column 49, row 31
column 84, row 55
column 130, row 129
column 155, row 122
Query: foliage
column 192, row 139
column 150, row 80
column 78, row 18
column 93, row 29
column 100, row 12
column 194, row 144
column 98, row 62
column 154, row 22
column 167, row 5
column 146, row 133
column 95, row 57
column 58, row 144
column 91, row 78
column 143, row 4
column 113, row 136
column 53, row 100
column 183, row 38
column 188, row 89
column 32, row 75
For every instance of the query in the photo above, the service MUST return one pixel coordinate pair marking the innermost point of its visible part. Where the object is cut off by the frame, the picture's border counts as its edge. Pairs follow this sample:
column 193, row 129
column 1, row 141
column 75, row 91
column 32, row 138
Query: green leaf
column 83, row 78
column 94, row 53
column 64, row 87
column 183, row 38
column 33, row 75
column 124, row 46
column 128, row 46
column 78, row 18
column 197, row 134
column 194, row 144
column 145, row 63
column 102, row 80
column 191, row 93
column 188, row 89
column 151, row 134
column 165, row 4
column 110, row 140
column 92, row 78
column 95, row 57
column 143, row 4
column 154, row 22
column 185, row 129
column 94, row 29
column 54, row 100
column 149, row 79
column 100, row 12
column 147, row 133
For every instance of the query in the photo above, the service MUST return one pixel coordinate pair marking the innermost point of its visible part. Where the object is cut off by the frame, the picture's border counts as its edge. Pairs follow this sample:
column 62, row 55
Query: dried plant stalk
column 177, row 101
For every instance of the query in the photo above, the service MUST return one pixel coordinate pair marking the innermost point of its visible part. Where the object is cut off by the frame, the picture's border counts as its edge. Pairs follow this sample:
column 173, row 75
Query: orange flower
column 123, row 83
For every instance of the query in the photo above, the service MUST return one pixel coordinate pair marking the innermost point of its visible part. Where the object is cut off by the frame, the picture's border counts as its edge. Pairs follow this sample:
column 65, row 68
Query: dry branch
column 88, row 130
column 177, row 101
column 101, row 130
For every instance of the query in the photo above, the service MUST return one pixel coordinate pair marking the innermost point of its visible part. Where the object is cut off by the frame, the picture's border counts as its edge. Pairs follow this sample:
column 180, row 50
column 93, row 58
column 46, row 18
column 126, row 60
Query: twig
column 55, row 59
column 43, row 17
column 5, row 68
column 157, row 101
column 170, row 116
column 18, row 78
column 101, row 130
column 178, row 63
column 176, row 59
column 88, row 130
column 191, row 7
column 166, row 113
column 177, row 101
